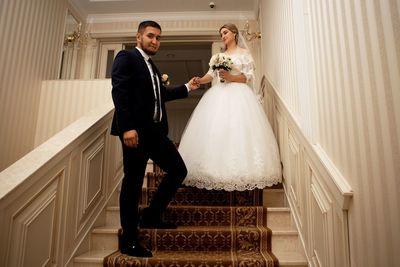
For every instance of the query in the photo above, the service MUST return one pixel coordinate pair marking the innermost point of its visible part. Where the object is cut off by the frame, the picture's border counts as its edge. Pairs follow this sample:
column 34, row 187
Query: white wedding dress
column 228, row 142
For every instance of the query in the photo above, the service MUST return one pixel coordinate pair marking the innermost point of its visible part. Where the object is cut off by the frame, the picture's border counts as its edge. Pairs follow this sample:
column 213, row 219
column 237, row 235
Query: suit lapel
column 145, row 71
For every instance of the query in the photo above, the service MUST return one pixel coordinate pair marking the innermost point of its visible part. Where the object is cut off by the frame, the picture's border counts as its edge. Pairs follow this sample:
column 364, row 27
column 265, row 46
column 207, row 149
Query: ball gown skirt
column 228, row 143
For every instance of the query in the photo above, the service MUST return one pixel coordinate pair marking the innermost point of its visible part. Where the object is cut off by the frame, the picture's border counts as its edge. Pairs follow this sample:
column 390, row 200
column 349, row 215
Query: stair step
column 188, row 237
column 291, row 259
column 277, row 218
column 93, row 258
column 274, row 197
column 201, row 197
column 208, row 238
column 197, row 258
column 112, row 216
column 210, row 224
column 286, row 241
column 105, row 238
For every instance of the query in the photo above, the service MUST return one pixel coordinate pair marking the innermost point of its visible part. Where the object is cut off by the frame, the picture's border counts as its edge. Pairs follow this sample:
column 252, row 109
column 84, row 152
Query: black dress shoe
column 154, row 222
column 136, row 250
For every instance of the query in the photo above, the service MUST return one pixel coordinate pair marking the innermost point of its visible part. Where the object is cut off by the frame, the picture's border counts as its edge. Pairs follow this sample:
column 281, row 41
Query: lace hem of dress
column 203, row 182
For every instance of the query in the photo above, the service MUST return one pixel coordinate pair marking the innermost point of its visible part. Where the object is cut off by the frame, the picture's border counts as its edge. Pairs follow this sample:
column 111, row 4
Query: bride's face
column 227, row 36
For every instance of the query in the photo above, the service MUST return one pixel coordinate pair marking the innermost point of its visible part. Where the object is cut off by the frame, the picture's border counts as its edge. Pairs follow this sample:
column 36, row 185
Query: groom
column 140, row 121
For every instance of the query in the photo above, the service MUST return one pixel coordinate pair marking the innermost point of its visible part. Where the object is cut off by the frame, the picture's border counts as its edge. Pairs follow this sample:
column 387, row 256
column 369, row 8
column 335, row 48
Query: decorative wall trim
column 321, row 224
column 318, row 195
column 171, row 16
column 27, row 224
column 39, row 201
column 185, row 27
column 91, row 185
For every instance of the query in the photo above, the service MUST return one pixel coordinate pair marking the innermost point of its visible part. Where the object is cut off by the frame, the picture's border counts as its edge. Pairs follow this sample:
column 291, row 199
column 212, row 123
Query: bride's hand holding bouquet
column 221, row 62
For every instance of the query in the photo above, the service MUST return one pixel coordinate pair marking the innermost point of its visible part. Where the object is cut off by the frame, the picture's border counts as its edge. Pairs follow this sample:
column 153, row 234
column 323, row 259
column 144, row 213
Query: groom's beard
column 150, row 52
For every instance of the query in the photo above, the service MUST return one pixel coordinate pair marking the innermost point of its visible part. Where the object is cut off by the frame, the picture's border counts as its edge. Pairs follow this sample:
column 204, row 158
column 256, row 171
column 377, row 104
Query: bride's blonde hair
column 232, row 27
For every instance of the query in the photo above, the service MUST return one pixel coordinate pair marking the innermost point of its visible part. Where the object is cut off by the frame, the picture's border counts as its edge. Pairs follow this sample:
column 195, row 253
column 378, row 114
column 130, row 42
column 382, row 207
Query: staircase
column 215, row 228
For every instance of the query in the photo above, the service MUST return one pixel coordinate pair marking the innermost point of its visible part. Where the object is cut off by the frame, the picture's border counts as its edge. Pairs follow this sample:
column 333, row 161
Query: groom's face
column 149, row 40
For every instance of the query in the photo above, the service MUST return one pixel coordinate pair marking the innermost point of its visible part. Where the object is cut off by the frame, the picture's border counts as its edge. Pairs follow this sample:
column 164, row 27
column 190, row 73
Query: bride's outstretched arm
column 205, row 79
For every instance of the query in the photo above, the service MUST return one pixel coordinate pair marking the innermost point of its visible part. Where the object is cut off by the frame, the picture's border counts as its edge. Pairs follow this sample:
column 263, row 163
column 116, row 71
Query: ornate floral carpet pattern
column 215, row 228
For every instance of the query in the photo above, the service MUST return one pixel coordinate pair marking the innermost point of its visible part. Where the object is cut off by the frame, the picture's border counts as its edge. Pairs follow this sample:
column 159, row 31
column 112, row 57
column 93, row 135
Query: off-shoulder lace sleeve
column 247, row 67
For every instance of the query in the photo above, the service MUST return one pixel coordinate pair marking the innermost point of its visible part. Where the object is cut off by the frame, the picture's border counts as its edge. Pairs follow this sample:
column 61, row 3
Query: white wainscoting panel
column 35, row 221
column 335, row 69
column 51, row 198
column 32, row 218
column 91, row 182
column 318, row 204
column 321, row 225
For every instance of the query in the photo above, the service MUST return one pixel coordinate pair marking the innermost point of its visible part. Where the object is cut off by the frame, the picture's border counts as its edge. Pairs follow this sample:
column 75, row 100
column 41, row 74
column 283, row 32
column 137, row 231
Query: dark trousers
column 156, row 146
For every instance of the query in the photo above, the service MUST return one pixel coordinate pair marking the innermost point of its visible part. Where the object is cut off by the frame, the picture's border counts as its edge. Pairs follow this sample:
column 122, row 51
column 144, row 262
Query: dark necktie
column 157, row 98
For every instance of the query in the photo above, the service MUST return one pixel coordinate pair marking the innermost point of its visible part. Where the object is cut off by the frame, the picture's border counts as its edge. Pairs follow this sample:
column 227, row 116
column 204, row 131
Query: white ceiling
column 99, row 8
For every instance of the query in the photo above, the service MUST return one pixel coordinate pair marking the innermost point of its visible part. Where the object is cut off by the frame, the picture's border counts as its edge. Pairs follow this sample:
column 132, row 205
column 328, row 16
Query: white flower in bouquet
column 221, row 61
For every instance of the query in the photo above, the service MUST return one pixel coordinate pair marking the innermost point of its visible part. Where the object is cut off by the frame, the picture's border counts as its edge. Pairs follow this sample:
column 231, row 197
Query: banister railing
column 51, row 198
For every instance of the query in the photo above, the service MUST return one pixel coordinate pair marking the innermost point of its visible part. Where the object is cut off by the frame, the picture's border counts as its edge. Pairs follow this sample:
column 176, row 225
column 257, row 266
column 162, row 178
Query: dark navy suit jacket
column 133, row 94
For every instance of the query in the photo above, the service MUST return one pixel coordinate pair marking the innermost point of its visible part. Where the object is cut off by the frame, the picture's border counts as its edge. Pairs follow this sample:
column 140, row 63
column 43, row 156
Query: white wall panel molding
column 39, row 194
column 36, row 220
column 116, row 170
column 337, row 183
column 335, row 66
column 318, row 194
column 321, row 225
column 33, row 217
column 91, row 182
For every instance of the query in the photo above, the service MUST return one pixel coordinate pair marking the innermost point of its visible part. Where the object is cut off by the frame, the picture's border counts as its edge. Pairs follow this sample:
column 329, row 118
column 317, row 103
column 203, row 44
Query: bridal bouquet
column 221, row 61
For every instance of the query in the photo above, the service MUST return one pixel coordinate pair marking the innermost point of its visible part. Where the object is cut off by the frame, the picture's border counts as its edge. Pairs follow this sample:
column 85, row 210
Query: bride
column 228, row 143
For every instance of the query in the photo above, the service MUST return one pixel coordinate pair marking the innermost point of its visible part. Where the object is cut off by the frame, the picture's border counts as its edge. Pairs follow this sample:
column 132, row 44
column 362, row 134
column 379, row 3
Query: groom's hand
column 131, row 138
column 194, row 83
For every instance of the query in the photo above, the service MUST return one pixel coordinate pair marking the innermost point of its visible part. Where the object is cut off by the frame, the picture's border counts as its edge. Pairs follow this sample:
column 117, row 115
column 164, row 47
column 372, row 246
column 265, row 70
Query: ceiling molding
column 172, row 16
column 112, row 0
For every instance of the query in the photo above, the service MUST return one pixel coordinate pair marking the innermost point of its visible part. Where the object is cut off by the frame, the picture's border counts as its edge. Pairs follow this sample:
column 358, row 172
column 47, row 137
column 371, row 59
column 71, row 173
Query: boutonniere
column 165, row 79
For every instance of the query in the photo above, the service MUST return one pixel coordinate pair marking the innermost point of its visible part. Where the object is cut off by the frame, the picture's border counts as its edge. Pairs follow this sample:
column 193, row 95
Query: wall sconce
column 77, row 36
column 250, row 35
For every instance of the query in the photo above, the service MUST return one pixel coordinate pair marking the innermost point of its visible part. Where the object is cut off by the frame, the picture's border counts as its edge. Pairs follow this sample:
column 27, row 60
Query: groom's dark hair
column 148, row 23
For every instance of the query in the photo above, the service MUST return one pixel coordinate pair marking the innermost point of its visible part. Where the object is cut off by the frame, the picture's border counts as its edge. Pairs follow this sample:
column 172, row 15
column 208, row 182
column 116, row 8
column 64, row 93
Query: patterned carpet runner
column 215, row 228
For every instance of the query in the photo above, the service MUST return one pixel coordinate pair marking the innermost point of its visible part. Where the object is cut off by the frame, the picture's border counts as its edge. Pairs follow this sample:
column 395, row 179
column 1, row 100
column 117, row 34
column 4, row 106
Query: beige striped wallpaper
column 64, row 101
column 31, row 41
column 336, row 64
